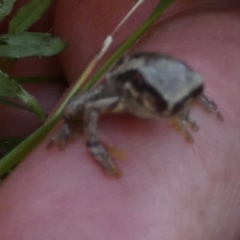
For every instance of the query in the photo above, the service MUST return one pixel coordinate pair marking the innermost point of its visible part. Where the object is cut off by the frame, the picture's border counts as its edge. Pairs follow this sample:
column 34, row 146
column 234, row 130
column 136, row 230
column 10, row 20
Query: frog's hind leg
column 97, row 149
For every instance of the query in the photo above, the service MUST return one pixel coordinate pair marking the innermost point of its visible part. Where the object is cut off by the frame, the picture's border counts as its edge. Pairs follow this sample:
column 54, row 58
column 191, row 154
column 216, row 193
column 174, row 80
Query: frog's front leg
column 182, row 121
column 210, row 106
column 93, row 143
column 73, row 115
column 68, row 130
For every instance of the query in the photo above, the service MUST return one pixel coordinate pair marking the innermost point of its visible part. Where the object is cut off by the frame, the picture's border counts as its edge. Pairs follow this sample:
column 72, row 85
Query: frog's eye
column 138, row 82
column 138, row 77
column 141, row 85
column 133, row 77
column 149, row 96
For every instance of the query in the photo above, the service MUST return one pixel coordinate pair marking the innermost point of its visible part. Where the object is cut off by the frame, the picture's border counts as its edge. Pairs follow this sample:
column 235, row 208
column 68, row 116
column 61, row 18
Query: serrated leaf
column 27, row 44
column 28, row 15
column 9, row 88
column 5, row 8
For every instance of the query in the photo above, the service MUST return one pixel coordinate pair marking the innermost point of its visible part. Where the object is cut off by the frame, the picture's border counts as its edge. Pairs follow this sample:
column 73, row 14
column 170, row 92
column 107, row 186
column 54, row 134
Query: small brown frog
column 148, row 85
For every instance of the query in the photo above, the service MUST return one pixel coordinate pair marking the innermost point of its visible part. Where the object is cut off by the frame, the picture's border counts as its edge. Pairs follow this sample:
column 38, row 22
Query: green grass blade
column 161, row 7
column 28, row 15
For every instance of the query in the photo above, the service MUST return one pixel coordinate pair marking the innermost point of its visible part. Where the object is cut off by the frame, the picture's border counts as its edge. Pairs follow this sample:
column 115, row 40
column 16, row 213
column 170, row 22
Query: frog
column 144, row 84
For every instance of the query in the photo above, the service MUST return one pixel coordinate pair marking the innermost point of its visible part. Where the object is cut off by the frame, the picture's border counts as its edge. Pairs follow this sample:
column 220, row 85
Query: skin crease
column 170, row 189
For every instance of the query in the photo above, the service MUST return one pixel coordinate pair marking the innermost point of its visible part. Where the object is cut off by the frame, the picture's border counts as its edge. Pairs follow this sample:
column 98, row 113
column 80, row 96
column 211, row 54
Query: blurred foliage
column 20, row 43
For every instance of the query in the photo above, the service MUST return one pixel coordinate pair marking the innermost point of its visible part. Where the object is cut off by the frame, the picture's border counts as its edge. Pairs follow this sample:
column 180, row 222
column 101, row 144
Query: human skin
column 170, row 189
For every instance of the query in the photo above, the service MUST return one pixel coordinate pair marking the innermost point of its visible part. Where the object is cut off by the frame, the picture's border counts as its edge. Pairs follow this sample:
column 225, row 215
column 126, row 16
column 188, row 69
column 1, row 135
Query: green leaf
column 31, row 102
column 7, row 102
column 28, row 15
column 5, row 8
column 27, row 44
column 9, row 88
